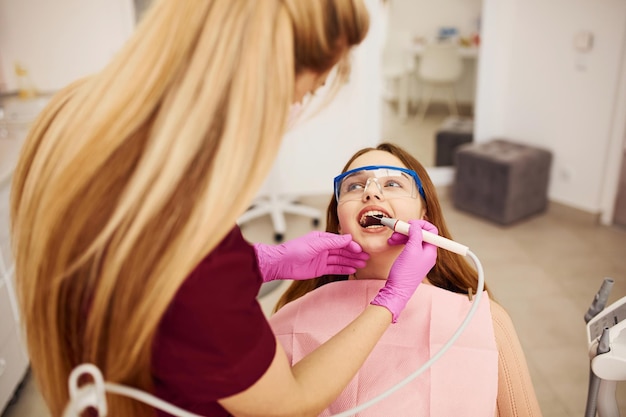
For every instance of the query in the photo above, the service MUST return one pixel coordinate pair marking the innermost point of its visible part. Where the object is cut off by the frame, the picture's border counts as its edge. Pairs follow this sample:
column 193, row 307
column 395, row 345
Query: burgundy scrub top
column 214, row 340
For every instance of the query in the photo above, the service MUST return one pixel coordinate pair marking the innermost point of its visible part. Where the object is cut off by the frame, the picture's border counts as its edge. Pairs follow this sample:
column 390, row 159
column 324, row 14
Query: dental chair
column 606, row 338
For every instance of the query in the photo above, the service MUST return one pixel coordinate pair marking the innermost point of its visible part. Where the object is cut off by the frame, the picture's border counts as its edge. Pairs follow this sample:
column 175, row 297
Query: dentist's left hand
column 310, row 256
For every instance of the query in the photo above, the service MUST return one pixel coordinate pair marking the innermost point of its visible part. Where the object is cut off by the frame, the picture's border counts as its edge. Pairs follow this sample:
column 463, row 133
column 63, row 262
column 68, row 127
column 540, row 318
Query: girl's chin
column 373, row 242
column 376, row 247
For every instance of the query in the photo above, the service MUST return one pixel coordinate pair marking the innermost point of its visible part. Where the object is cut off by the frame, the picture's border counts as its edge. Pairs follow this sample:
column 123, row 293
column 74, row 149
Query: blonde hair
column 451, row 271
column 127, row 178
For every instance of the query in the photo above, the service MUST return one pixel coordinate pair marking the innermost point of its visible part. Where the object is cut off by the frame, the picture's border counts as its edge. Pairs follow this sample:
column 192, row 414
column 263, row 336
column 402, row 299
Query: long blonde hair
column 451, row 271
column 131, row 176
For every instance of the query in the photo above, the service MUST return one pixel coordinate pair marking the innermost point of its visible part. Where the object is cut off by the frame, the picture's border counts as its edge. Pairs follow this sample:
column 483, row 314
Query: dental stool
column 501, row 181
column 454, row 131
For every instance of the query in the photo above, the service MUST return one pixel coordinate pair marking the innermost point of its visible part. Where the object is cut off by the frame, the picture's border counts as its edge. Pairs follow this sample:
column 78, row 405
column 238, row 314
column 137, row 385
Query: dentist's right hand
column 409, row 270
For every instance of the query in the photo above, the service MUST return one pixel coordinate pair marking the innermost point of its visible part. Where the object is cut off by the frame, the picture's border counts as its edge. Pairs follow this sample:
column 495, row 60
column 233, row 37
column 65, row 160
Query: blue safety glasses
column 392, row 182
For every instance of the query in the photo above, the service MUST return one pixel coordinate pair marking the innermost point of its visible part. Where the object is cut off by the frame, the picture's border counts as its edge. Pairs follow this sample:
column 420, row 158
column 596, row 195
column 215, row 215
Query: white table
column 414, row 52
column 470, row 52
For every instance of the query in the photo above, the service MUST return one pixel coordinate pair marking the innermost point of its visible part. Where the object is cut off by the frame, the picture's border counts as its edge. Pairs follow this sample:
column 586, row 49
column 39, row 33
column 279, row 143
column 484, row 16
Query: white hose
column 93, row 395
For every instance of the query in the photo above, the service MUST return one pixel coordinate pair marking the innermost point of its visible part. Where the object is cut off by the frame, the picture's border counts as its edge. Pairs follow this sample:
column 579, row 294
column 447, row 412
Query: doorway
column 619, row 215
column 411, row 26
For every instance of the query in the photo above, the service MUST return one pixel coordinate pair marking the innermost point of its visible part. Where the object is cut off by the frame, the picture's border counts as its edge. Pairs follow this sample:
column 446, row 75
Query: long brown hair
column 126, row 179
column 451, row 271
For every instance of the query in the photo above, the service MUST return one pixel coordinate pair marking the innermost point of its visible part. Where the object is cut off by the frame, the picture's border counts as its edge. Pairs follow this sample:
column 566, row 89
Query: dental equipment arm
column 606, row 403
column 606, row 337
column 597, row 305
column 594, row 381
column 600, row 299
column 609, row 365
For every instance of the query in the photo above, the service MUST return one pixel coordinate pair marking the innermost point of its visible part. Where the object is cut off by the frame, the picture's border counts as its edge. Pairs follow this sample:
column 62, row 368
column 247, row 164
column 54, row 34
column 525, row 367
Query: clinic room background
column 546, row 75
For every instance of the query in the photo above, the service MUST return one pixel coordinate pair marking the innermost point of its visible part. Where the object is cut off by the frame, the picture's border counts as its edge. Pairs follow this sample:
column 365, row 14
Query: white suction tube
column 94, row 394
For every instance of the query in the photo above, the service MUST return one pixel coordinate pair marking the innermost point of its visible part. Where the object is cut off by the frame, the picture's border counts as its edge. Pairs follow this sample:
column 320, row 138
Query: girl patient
column 484, row 373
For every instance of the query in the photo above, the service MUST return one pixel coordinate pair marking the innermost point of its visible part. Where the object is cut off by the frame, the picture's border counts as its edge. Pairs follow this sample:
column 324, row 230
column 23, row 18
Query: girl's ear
column 424, row 216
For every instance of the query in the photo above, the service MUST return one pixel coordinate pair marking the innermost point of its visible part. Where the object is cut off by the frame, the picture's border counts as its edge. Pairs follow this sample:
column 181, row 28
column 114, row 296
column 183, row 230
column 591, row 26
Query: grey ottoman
column 501, row 181
column 454, row 131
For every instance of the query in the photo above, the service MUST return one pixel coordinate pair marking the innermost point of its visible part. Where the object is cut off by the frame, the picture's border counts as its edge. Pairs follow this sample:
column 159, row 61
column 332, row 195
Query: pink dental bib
column 463, row 382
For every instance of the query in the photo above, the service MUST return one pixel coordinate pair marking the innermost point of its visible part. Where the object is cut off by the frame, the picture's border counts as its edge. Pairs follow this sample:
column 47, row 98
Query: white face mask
column 294, row 112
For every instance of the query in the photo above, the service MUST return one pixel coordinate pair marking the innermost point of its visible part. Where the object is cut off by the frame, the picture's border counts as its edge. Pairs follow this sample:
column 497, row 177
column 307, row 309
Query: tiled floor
column 544, row 271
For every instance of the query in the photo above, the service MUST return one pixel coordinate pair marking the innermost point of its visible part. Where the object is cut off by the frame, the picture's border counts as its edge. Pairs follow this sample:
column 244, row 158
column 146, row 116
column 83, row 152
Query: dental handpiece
column 440, row 241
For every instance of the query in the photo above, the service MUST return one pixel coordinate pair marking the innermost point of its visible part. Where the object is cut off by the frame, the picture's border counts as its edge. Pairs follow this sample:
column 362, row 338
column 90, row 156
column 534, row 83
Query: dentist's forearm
column 325, row 372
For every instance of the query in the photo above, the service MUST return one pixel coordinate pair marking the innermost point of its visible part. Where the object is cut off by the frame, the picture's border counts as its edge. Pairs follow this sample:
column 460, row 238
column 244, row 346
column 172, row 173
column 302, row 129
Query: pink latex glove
column 310, row 256
column 410, row 268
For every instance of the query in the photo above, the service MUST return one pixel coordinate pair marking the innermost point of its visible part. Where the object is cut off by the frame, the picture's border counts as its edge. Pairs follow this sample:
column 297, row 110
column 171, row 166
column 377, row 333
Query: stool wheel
column 278, row 237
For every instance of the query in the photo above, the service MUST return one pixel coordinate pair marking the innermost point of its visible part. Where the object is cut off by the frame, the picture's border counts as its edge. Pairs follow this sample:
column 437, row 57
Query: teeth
column 363, row 219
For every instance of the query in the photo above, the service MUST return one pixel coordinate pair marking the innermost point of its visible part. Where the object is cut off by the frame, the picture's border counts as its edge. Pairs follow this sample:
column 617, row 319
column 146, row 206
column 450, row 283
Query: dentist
column 124, row 209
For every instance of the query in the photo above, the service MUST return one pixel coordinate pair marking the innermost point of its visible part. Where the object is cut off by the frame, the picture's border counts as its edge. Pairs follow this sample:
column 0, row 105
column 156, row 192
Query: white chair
column 276, row 205
column 397, row 66
column 440, row 67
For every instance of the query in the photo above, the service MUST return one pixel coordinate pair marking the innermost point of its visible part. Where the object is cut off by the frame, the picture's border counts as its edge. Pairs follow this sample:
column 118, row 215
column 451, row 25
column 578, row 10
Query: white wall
column 535, row 88
column 62, row 40
column 316, row 149
column 423, row 18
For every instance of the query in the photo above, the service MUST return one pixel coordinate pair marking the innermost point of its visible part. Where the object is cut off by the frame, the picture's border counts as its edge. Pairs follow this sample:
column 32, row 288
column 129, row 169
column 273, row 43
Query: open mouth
column 371, row 219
